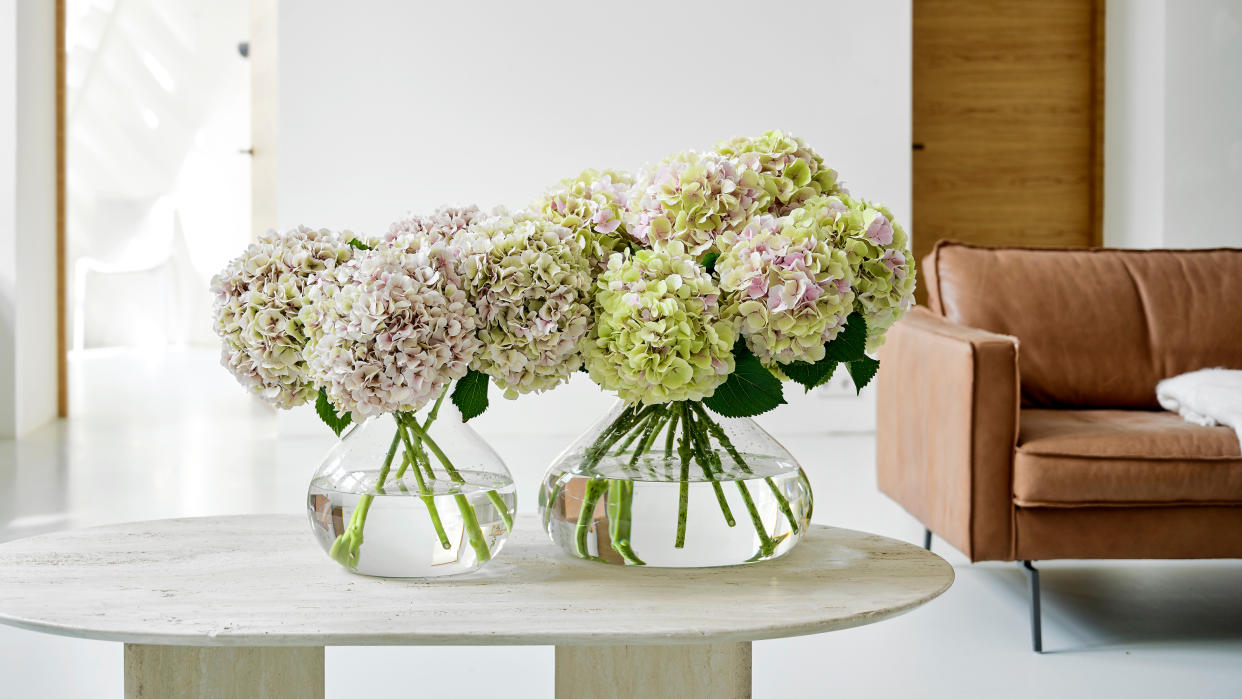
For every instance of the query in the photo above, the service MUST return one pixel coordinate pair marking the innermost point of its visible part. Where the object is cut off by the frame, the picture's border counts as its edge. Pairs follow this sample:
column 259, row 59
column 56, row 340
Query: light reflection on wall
column 158, row 185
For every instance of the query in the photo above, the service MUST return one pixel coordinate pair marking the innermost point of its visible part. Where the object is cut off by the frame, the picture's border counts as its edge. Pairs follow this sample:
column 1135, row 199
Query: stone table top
column 261, row 580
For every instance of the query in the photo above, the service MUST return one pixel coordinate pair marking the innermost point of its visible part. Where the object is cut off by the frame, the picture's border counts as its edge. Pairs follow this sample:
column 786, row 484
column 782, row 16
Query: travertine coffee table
column 243, row 606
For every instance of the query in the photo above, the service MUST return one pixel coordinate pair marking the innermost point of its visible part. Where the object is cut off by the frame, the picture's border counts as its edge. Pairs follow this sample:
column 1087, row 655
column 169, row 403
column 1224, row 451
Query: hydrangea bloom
column 884, row 275
column 532, row 285
column 258, row 299
column 591, row 205
column 660, row 331
column 692, row 198
column 789, row 284
column 791, row 171
column 388, row 331
column 444, row 223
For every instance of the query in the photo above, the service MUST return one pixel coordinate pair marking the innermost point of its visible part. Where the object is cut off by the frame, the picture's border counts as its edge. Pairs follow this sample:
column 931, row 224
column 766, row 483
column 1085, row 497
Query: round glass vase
column 675, row 486
column 412, row 496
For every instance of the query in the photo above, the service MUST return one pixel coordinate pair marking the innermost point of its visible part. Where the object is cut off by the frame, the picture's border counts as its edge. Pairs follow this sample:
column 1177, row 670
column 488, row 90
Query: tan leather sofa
column 1017, row 410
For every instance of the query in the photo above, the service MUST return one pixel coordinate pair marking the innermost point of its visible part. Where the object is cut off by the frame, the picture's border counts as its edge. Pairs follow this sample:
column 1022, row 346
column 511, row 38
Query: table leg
column 715, row 671
column 212, row 671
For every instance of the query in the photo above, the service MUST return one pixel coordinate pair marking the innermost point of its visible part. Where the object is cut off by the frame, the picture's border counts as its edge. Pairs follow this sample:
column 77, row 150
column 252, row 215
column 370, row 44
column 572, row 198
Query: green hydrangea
column 592, row 206
column 790, row 285
column 660, row 331
column 884, row 273
column 790, row 170
column 532, row 284
column 693, row 198
column 878, row 251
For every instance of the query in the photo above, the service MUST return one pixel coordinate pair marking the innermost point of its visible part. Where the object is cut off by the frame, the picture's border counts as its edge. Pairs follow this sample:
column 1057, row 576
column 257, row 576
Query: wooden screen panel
column 1007, row 122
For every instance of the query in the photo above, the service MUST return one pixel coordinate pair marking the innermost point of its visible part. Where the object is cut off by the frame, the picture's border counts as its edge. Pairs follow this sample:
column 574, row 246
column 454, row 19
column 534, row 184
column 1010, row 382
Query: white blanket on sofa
column 1207, row 397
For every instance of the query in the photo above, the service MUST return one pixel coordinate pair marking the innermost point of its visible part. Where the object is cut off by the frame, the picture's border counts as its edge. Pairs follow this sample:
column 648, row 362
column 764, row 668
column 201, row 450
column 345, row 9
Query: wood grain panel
column 1007, row 122
column 62, row 340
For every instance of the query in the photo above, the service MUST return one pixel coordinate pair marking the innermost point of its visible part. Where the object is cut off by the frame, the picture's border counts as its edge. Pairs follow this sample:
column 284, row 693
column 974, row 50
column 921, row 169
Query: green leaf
column 750, row 390
column 470, row 394
column 851, row 343
column 809, row 375
column 355, row 243
column 709, row 262
column 327, row 412
column 862, row 371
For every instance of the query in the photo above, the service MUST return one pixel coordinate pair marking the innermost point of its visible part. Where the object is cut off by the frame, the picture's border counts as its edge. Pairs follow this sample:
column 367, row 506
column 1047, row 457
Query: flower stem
column 648, row 434
column 469, row 518
column 620, row 500
column 634, row 434
column 497, row 501
column 629, row 418
column 586, row 515
column 346, row 547
column 412, row 454
column 766, row 544
column 704, row 454
column 781, row 501
column 683, row 497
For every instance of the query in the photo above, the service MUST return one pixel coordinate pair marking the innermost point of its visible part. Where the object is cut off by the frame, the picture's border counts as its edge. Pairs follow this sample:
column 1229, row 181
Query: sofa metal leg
column 927, row 539
column 1037, row 636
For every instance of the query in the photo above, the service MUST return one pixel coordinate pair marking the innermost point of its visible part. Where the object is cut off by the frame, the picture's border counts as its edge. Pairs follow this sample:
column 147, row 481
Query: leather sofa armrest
column 947, row 399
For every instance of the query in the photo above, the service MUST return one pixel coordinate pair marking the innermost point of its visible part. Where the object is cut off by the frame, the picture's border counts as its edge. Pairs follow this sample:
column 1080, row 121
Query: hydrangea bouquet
column 369, row 326
column 694, row 290
column 721, row 276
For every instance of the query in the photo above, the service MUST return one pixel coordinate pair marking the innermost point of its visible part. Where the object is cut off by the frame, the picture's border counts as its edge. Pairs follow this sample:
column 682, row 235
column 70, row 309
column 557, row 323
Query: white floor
column 169, row 435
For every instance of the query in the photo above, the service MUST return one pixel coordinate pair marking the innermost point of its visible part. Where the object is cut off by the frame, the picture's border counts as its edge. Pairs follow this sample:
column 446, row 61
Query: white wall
column 1203, row 123
column 1134, row 124
column 1173, row 124
column 27, row 216
column 392, row 106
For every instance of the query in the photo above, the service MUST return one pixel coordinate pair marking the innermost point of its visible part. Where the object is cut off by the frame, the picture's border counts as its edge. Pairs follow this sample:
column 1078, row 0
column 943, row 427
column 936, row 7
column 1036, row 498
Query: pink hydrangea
column 388, row 330
column 693, row 198
column 258, row 299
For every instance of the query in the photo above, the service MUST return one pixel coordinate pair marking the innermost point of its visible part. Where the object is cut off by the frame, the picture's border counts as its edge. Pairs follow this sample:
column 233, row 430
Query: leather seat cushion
column 1069, row 458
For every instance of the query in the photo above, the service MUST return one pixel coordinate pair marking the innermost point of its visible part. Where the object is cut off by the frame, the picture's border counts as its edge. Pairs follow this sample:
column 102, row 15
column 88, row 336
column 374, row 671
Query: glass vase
column 674, row 485
column 409, row 495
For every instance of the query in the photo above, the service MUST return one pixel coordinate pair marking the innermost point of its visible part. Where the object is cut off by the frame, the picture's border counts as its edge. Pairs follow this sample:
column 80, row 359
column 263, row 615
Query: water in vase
column 440, row 527
column 650, row 512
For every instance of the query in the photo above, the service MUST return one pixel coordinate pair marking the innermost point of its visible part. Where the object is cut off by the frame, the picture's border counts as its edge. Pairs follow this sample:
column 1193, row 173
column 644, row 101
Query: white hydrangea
column 439, row 226
column 258, row 300
column 389, row 331
column 531, row 281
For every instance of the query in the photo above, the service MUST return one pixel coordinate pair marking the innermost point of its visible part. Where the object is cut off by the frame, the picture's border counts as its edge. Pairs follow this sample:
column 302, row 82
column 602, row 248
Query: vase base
column 669, row 523
column 413, row 536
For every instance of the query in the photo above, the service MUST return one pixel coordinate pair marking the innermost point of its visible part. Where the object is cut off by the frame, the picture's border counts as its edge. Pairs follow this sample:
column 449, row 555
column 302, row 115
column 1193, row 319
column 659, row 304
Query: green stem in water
column 703, row 451
column 766, row 544
column 620, row 501
column 781, row 500
column 586, row 515
column 497, row 501
column 591, row 457
column 629, row 419
column 683, row 497
column 345, row 549
column 469, row 518
column 412, row 454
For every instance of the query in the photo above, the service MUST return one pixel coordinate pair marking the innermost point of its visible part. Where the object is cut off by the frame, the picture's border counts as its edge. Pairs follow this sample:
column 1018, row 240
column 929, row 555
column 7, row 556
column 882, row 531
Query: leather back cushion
column 1096, row 328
